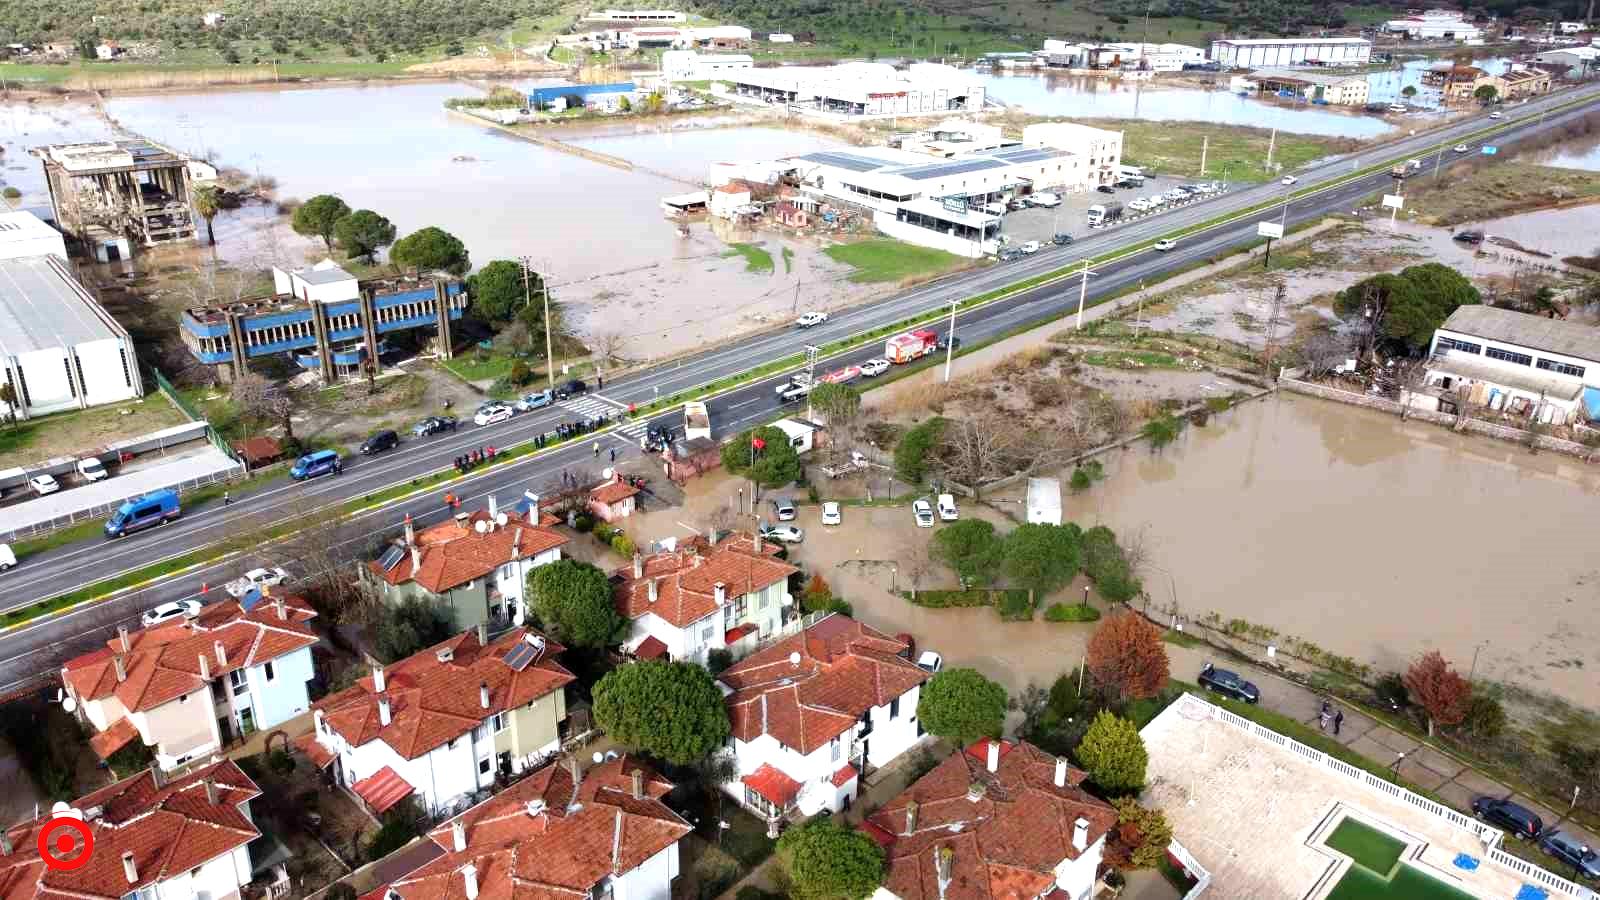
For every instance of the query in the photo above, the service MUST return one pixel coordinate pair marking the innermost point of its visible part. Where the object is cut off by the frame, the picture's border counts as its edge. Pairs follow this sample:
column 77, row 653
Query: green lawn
column 1366, row 845
column 756, row 259
column 1131, row 359
column 1233, row 152
column 886, row 259
column 1407, row 884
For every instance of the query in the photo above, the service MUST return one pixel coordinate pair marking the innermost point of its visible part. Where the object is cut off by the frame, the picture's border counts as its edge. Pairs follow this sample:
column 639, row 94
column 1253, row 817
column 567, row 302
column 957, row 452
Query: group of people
column 573, row 429
column 469, row 460
column 1330, row 716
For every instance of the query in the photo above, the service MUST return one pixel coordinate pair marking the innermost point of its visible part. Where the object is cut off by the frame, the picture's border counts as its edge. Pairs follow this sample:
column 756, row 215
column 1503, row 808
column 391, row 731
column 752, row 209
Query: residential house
column 153, row 839
column 559, row 833
column 108, row 50
column 812, row 712
column 444, row 722
column 998, row 820
column 1524, row 365
column 703, row 596
column 613, row 499
column 189, row 686
column 728, row 199
column 477, row 563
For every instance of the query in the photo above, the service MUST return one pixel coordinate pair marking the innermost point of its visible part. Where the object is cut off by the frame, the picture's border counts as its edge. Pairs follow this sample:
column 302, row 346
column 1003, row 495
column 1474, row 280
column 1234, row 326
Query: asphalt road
column 41, row 647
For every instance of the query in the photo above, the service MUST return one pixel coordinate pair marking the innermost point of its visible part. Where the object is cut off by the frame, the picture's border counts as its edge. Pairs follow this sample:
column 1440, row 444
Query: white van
column 7, row 558
column 91, row 469
column 1046, row 200
column 947, row 508
column 995, row 209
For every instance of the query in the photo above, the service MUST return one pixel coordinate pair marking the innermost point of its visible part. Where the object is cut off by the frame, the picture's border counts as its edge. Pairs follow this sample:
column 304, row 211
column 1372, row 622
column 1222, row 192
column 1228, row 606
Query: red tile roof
column 844, row 670
column 686, row 579
column 740, row 632
column 112, row 739
column 650, row 648
column 163, row 663
column 168, row 828
column 382, row 790
column 844, row 776
column 433, row 700
column 1006, row 830
column 320, row 756
column 545, row 838
column 771, row 783
column 614, row 491
column 453, row 553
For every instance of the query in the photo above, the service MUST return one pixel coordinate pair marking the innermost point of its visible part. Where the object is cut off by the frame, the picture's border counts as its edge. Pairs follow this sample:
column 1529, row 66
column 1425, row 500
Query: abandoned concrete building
column 108, row 193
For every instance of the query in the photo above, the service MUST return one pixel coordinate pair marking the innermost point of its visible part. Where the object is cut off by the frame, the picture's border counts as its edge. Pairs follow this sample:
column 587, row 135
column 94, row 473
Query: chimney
column 469, row 874
column 158, row 778
column 1061, row 771
column 416, row 560
column 994, row 755
column 483, row 694
column 944, row 859
column 129, row 870
column 575, row 769
column 383, row 711
column 222, row 654
column 911, row 818
column 516, row 543
column 122, row 667
column 122, row 638
column 458, row 834
column 720, row 592
column 483, row 634
column 211, row 791
column 411, row 532
column 638, row 784
column 377, row 679
column 638, row 565
column 654, row 591
column 1080, row 834
column 976, row 792
column 283, row 608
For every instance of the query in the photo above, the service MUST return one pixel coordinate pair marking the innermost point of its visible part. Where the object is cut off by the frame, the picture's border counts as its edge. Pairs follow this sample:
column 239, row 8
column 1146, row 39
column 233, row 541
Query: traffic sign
column 1490, row 150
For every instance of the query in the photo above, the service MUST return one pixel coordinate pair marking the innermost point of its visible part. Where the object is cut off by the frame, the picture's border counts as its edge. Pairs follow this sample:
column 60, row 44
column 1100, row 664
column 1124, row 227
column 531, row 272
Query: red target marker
column 64, row 844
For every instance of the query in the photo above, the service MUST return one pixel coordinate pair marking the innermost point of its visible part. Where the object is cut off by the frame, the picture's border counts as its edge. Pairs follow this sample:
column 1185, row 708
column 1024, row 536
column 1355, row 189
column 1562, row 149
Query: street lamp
column 950, row 339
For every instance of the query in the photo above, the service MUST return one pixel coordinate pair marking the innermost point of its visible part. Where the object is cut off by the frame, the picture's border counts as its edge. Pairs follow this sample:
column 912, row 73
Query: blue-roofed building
column 325, row 319
column 606, row 97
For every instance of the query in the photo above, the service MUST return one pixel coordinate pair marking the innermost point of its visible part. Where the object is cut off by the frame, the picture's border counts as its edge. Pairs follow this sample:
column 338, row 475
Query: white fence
column 1200, row 874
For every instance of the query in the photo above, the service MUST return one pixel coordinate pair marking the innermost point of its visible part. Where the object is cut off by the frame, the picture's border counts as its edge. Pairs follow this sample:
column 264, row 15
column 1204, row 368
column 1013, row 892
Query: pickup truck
column 798, row 379
column 795, row 390
column 858, row 462
column 696, row 421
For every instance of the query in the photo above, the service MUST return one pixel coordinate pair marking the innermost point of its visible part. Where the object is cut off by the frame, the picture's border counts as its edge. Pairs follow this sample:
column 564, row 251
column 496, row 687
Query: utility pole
column 1272, row 143
column 1272, row 328
column 950, row 339
column 549, row 332
column 1083, row 291
column 811, row 377
column 1205, row 144
column 1437, row 159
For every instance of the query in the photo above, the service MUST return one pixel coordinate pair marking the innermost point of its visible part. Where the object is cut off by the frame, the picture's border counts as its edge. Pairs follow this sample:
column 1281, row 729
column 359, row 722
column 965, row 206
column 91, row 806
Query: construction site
column 107, row 193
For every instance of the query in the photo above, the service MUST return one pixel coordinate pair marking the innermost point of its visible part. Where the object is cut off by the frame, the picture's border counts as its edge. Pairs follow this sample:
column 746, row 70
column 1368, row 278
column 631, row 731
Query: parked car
column 872, row 368
column 1030, row 248
column 947, row 508
column 930, row 661
column 492, row 414
column 536, row 400
column 322, row 462
column 571, row 389
column 379, row 442
column 1061, row 239
column 1573, row 852
column 923, row 510
column 1518, row 820
column 169, row 611
column 1495, row 115
column 7, row 557
column 1289, row 179
column 1469, row 237
column 809, row 319
column 1047, row 200
column 92, row 469
column 154, row 508
column 783, row 509
column 783, row 534
column 44, row 483
column 1139, row 204
column 1106, row 189
column 1228, row 684
column 1460, row 148
column 1007, row 254
column 433, row 425
column 1165, row 244
column 830, row 513
column 255, row 579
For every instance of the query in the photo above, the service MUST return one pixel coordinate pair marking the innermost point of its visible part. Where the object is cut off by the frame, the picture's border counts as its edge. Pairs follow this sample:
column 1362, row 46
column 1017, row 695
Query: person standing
column 227, row 499
column 613, row 454
column 596, row 449
column 1338, row 721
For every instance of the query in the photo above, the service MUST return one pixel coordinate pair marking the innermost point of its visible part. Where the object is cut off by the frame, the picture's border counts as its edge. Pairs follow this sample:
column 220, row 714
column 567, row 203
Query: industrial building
column 1134, row 56
column 864, row 89
column 1256, row 52
column 24, row 234
column 327, row 311
column 59, row 348
column 687, row 65
column 1096, row 151
column 1579, row 62
column 604, row 97
column 1545, row 369
column 1435, row 25
column 635, row 15
column 109, row 192
column 1334, row 90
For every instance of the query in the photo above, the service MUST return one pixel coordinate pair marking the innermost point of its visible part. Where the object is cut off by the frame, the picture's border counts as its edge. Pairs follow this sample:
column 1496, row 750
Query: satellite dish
column 794, row 658
column 480, row 526
column 502, row 519
column 69, row 704
column 58, row 807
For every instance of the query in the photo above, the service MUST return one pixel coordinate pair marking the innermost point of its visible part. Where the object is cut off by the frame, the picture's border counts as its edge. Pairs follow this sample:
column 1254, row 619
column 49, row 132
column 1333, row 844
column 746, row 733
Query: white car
column 1461, row 148
column 492, row 414
column 1165, row 244
column 1495, row 115
column 872, row 368
column 1030, row 247
column 92, row 469
column 947, row 508
column 785, row 534
column 1138, row 205
column 810, row 319
column 1046, row 200
column 256, row 579
column 1289, row 179
column 830, row 513
column 8, row 558
column 168, row 611
column 44, row 484
column 923, row 510
column 930, row 661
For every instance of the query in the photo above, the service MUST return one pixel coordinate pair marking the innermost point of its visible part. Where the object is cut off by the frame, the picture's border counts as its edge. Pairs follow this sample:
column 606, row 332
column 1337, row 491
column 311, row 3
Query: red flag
column 758, row 443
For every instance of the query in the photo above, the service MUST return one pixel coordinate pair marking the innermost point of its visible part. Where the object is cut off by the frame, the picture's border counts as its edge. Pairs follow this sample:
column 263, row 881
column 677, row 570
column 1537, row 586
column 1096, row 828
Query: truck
column 1103, row 214
column 696, row 421
column 909, row 346
column 796, row 390
column 857, row 463
column 798, row 379
column 1405, row 168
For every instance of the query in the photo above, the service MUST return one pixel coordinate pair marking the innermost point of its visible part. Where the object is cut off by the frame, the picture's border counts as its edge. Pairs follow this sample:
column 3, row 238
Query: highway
column 40, row 647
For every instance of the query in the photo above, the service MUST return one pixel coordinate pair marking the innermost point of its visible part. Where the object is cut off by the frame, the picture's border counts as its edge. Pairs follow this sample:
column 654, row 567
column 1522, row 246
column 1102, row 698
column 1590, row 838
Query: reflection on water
column 1578, row 153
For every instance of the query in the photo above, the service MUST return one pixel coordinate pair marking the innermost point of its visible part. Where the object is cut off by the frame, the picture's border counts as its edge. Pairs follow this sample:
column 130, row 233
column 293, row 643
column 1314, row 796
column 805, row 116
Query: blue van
column 154, row 508
column 322, row 462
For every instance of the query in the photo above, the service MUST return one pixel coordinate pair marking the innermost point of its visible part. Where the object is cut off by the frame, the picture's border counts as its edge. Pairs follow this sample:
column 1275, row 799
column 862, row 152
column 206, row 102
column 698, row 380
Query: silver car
column 923, row 510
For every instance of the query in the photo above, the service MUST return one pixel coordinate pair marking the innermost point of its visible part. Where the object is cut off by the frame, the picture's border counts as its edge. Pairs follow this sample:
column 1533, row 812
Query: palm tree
column 207, row 202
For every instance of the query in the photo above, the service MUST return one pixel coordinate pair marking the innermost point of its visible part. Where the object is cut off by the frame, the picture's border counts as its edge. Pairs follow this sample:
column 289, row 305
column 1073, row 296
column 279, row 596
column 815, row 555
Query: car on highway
column 379, row 442
column 811, row 319
column 831, row 514
column 783, row 534
column 1468, row 237
column 1228, row 684
column 492, row 414
column 1165, row 244
column 947, row 508
column 1061, row 239
column 92, row 469
column 256, row 579
column 433, row 425
column 1496, row 115
column 1460, row 148
column 1513, row 817
column 1007, row 254
column 1289, row 179
column 874, row 367
column 572, row 389
column 1106, row 189
column 946, row 343
column 1031, row 247
column 169, row 611
column 536, row 400
column 1139, row 204
column 923, row 510
column 322, row 462
column 930, row 661
column 1573, row 852
column 8, row 557
column 44, row 484
column 1396, row 108
column 152, row 509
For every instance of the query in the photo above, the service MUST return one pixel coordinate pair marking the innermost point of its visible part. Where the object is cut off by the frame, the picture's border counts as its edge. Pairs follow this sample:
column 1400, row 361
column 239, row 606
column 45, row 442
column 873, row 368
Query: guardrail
column 1201, row 875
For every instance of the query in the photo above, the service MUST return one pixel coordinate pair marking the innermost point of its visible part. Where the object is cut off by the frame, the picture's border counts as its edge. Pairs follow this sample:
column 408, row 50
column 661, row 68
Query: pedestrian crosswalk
column 591, row 406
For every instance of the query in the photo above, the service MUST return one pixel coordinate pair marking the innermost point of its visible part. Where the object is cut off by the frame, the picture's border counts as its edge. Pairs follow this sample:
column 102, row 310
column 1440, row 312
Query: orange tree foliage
column 1126, row 656
column 1439, row 689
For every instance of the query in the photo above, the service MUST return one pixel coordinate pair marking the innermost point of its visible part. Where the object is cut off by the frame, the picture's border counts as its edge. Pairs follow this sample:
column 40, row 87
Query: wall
column 439, row 776
column 891, row 737
column 651, row 880
column 181, row 727
column 1076, row 876
column 534, row 728
column 818, row 765
column 285, row 696
column 216, row 879
column 926, row 237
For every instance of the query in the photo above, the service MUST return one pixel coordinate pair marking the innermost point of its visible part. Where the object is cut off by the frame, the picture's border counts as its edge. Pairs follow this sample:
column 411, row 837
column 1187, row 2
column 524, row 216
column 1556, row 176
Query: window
column 705, row 633
column 1521, row 359
column 1550, row 365
column 833, row 749
column 71, row 385
column 268, row 670
column 894, row 708
column 498, row 722
column 237, row 682
column 1459, row 345
column 483, row 765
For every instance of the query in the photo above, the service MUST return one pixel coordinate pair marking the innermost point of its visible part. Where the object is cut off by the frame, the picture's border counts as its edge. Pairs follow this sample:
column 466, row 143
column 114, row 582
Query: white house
column 687, row 65
column 727, row 199
column 191, row 685
column 802, row 435
column 699, row 597
column 442, row 722
column 1101, row 150
column 1545, row 369
column 153, row 839
column 559, row 833
column 999, row 819
column 813, row 712
column 1433, row 25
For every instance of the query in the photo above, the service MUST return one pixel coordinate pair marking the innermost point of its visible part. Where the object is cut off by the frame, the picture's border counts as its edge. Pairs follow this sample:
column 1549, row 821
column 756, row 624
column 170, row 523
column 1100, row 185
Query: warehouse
column 1579, row 61
column 884, row 180
column 687, row 65
column 59, row 349
column 1335, row 90
column 25, row 234
column 1435, row 25
column 863, row 89
column 1097, row 152
column 1250, row 54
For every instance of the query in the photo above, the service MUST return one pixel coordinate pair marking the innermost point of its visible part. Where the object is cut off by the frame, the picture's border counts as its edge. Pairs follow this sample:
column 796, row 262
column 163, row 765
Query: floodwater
column 687, row 153
column 1558, row 232
column 1575, row 154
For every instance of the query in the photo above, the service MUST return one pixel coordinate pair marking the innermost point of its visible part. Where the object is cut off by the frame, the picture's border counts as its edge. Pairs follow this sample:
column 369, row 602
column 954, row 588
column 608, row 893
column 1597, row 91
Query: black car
column 380, row 441
column 1573, row 852
column 1518, row 820
column 945, row 343
column 1062, row 239
column 434, row 425
column 1106, row 189
column 1469, row 237
column 571, row 389
column 1007, row 254
column 1228, row 684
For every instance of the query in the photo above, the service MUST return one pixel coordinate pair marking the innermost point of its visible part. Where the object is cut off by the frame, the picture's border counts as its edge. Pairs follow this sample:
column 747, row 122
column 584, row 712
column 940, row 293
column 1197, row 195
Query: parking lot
column 1040, row 224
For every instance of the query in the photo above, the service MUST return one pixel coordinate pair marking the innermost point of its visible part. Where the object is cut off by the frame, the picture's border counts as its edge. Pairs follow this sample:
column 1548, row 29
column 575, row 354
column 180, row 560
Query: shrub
column 1015, row 606
column 520, row 373
column 584, row 523
column 604, row 533
column 1080, row 481
column 716, row 871
column 1071, row 612
column 1114, row 754
column 717, row 661
column 1486, row 717
column 623, row 545
column 1391, row 690
column 1162, row 430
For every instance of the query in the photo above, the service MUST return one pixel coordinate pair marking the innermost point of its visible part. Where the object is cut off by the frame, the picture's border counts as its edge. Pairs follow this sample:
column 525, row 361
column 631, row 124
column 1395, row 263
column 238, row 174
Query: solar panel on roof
column 250, row 600
column 940, row 170
column 1027, row 154
column 392, row 557
column 845, row 161
column 524, row 653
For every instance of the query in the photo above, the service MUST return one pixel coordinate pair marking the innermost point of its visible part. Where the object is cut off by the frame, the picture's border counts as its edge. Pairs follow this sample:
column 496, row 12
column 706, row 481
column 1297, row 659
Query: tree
column 1126, row 655
column 972, row 549
column 962, row 705
column 828, row 861
column 1439, row 689
column 207, row 203
column 8, row 396
column 1486, row 94
column 1140, row 838
column 1105, row 563
column 318, row 216
column 838, row 403
column 1408, row 91
column 1113, row 754
column 979, row 448
column 1041, row 558
column 573, row 599
column 911, row 453
column 1405, row 308
column 764, row 455
column 629, row 705
column 431, row 249
column 497, row 290
column 413, row 625
column 363, row 233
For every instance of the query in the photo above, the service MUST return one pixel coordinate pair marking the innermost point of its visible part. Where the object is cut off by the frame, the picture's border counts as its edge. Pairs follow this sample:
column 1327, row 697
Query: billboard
column 1269, row 230
column 1393, row 201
